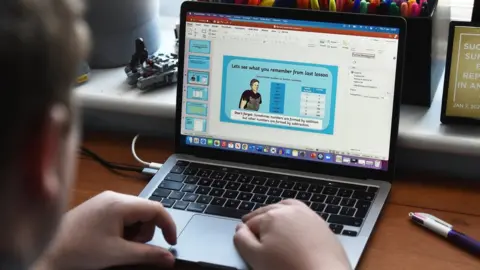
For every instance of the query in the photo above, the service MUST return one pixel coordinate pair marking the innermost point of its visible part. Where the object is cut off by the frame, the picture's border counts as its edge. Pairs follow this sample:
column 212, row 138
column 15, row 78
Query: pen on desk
column 340, row 5
column 314, row 5
column 424, row 11
column 356, row 6
column 394, row 10
column 363, row 7
column 332, row 6
column 372, row 7
column 267, row 3
column 303, row 4
column 414, row 10
column 446, row 230
column 404, row 9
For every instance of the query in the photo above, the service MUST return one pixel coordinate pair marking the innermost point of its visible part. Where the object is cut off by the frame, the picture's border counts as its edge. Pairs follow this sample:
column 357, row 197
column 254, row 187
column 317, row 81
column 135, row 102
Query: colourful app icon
column 245, row 147
column 266, row 149
column 328, row 157
column 189, row 139
column 231, row 145
column 313, row 155
column 302, row 154
column 320, row 156
column 378, row 164
column 216, row 143
column 273, row 150
column 369, row 163
column 210, row 142
column 338, row 159
column 281, row 151
column 346, row 160
column 295, row 153
column 223, row 144
column 203, row 141
column 259, row 148
column 354, row 160
column 251, row 147
column 361, row 161
column 238, row 146
column 288, row 152
column 196, row 140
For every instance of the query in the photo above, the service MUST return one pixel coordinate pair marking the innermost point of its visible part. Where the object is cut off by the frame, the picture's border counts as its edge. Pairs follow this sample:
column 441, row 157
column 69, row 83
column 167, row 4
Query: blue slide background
column 236, row 80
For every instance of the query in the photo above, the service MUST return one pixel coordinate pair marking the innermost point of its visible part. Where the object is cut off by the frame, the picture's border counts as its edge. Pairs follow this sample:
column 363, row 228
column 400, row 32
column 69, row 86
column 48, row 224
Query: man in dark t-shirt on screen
column 251, row 99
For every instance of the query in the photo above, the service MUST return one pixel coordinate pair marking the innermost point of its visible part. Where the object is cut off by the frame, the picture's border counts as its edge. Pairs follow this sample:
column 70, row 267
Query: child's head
column 41, row 45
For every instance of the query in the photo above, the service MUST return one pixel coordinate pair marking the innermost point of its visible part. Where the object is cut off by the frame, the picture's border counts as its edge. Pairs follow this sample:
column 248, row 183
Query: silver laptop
column 274, row 105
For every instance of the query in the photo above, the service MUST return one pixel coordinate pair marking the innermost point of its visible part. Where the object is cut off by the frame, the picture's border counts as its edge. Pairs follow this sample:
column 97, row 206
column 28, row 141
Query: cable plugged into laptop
column 151, row 165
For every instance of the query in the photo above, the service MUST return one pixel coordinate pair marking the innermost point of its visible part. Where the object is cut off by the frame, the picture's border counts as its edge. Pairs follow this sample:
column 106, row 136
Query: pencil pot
column 426, row 45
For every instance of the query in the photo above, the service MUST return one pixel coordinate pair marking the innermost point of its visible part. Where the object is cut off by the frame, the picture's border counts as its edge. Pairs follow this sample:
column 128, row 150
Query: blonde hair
column 42, row 43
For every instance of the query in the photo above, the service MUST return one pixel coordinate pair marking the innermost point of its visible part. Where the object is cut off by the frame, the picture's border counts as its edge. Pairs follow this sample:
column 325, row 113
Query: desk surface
column 396, row 243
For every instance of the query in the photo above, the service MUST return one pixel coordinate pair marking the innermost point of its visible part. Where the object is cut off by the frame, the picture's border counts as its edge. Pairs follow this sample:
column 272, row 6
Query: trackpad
column 209, row 240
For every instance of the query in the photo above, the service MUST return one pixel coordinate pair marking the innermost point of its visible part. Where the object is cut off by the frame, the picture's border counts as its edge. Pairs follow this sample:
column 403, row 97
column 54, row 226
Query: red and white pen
column 446, row 230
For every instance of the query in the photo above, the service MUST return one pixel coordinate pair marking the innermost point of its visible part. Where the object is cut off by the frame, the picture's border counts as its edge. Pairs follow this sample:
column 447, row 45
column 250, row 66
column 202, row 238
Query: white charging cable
column 152, row 165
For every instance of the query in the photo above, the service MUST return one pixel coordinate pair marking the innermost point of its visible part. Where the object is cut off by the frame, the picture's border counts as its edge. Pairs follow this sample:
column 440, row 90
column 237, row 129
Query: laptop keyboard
column 231, row 192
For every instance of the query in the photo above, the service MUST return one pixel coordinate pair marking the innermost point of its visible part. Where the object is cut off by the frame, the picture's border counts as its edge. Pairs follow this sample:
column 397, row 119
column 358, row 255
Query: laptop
column 275, row 104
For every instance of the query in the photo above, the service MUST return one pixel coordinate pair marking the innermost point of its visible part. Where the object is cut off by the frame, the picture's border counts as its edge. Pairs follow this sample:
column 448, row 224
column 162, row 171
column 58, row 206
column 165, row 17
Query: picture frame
column 451, row 119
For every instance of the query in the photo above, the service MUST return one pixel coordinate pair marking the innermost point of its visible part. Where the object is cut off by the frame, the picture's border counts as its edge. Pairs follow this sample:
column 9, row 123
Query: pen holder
column 425, row 52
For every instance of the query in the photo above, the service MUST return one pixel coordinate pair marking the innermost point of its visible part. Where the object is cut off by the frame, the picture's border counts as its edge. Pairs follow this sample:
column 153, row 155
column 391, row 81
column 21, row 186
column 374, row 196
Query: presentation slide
column 197, row 92
column 464, row 84
column 198, row 61
column 198, row 77
column 194, row 108
column 279, row 94
column 199, row 46
column 195, row 124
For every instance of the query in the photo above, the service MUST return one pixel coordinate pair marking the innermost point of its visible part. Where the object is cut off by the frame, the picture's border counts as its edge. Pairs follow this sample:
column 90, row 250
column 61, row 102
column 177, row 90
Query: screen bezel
column 280, row 162
column 444, row 118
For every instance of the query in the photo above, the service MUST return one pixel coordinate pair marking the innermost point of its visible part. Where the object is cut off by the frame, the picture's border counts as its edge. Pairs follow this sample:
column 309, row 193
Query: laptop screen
column 316, row 91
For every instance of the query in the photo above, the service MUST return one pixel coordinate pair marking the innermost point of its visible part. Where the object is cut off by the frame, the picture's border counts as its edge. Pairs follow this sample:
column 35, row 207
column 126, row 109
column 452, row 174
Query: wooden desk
column 396, row 243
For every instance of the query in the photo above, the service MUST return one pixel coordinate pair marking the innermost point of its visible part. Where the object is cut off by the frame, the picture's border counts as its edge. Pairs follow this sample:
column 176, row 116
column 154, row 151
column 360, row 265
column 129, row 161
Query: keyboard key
column 218, row 201
column 217, row 192
column 275, row 192
column 260, row 190
column 372, row 189
column 181, row 205
column 315, row 189
column 177, row 169
column 363, row 195
column 318, row 207
column 349, row 221
column 205, row 182
column 345, row 192
column 307, row 203
column 336, row 228
column 233, row 185
column 347, row 211
column 189, row 188
column 190, row 171
column 246, row 206
column 287, row 184
column 203, row 190
column 218, row 175
column 232, row 204
column 304, row 196
column 258, row 198
column 225, row 212
column 272, row 182
column 182, row 163
column 204, row 199
column 175, row 177
column 332, row 209
column 162, row 193
column 323, row 215
column 258, row 205
column 246, row 188
column 272, row 200
column 333, row 200
column 344, row 185
column 301, row 186
column 289, row 194
column 204, row 173
column 230, row 194
column 259, row 181
column 244, row 179
column 197, row 207
column 348, row 202
column 245, row 196
column 176, row 195
column 192, row 180
column 155, row 198
column 167, row 203
column 171, row 185
column 350, row 233
column 318, row 198
column 362, row 208
column 330, row 191
column 189, row 197
column 219, row 184
column 231, row 176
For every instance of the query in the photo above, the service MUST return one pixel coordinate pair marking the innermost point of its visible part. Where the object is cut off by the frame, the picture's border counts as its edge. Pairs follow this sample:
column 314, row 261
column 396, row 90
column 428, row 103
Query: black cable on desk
column 110, row 165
